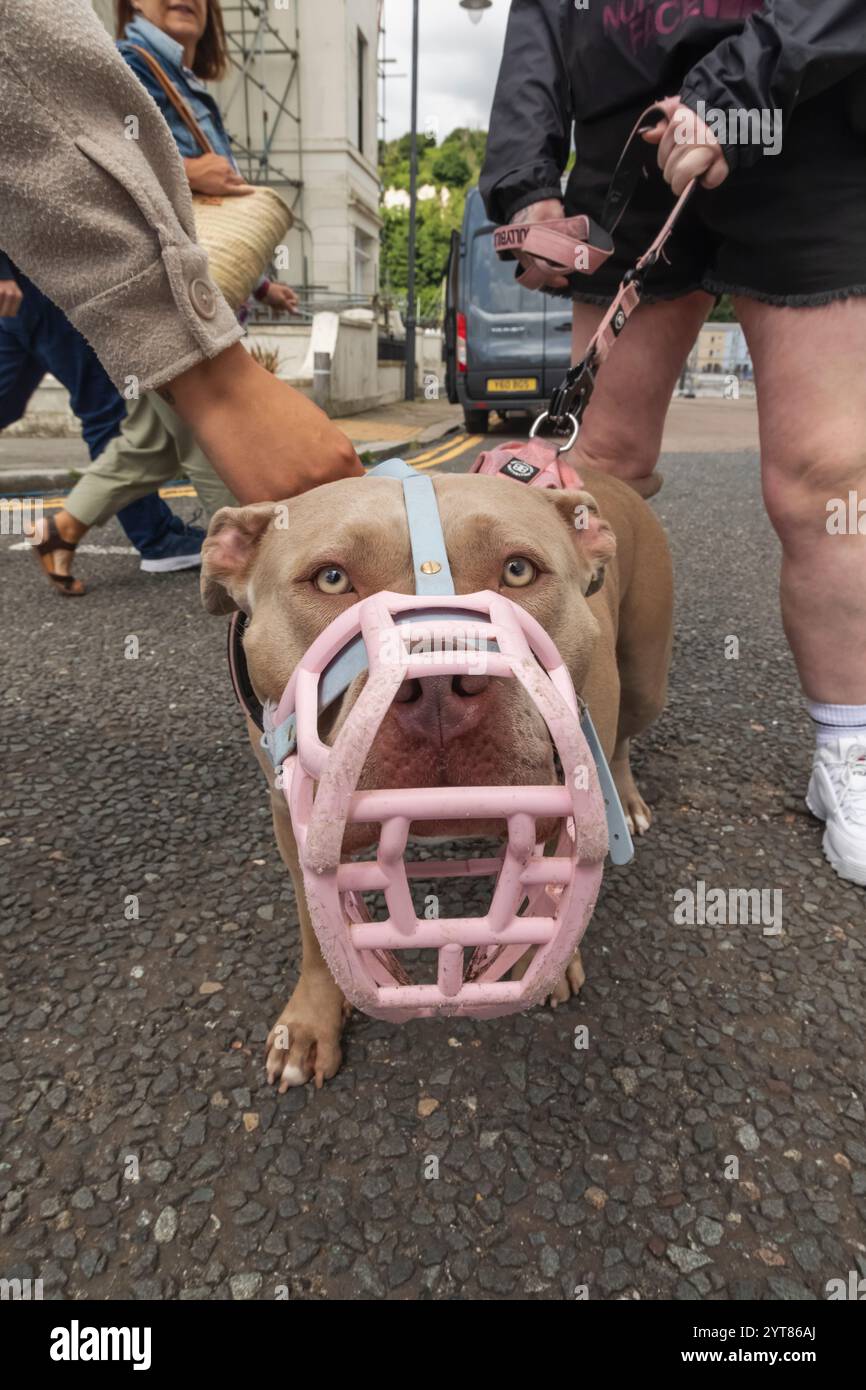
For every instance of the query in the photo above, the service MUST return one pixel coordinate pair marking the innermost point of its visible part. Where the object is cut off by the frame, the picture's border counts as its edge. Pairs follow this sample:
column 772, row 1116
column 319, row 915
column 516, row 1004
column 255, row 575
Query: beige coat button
column 203, row 298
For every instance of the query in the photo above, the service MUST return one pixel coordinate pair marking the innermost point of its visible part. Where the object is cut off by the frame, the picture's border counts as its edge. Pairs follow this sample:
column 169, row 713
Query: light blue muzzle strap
column 433, row 577
column 429, row 556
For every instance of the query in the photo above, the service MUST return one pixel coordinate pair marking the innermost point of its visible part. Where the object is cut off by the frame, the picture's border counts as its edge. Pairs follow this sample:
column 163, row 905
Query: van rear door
column 504, row 330
column 557, row 341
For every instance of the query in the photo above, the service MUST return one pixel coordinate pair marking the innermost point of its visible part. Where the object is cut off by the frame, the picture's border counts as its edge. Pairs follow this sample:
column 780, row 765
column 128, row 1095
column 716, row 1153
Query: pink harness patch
column 531, row 461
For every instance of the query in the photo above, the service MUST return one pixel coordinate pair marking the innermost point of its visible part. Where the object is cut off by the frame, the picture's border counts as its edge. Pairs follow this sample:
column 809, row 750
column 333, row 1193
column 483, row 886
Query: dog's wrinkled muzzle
column 539, row 900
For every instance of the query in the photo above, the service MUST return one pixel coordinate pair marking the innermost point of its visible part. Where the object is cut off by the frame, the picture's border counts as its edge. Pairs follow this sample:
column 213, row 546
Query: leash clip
column 568, row 402
column 556, row 422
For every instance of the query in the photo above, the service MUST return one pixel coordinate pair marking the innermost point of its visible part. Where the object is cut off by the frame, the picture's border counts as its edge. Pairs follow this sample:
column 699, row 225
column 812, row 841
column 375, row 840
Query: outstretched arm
column 95, row 208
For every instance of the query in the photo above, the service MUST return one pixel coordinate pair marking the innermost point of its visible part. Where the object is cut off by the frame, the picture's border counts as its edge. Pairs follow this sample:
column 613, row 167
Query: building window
column 365, row 266
column 362, row 88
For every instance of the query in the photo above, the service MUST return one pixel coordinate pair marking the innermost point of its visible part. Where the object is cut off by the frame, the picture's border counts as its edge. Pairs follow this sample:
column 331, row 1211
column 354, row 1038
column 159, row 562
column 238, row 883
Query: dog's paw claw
column 571, row 982
column 304, row 1043
column 638, row 816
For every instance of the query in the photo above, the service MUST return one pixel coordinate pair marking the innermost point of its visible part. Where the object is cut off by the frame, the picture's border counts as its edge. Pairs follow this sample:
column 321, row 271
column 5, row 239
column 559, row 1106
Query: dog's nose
column 440, row 708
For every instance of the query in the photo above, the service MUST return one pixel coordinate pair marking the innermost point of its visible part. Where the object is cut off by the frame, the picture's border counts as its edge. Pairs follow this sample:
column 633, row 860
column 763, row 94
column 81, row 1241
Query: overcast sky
column 457, row 65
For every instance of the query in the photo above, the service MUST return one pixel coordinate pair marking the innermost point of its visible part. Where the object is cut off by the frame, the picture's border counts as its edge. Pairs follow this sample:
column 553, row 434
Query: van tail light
column 461, row 342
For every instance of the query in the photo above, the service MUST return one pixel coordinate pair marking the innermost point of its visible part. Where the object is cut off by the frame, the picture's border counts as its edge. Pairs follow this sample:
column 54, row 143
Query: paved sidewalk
column 30, row 464
column 709, row 423
column 402, row 423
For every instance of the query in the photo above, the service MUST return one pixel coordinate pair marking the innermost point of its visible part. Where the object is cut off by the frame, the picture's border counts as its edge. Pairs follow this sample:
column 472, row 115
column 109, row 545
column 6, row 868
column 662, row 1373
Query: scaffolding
column 261, row 97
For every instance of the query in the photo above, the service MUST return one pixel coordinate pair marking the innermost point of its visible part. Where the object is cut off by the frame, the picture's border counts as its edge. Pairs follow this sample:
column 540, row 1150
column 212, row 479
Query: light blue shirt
column 169, row 54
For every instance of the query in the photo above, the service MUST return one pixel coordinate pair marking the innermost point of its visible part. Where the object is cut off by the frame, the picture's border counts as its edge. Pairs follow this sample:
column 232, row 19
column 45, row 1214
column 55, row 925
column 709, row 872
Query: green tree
column 723, row 312
column 450, row 167
column 454, row 165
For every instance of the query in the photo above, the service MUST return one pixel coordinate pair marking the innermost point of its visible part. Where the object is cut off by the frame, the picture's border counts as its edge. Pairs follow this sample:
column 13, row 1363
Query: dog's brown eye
column 332, row 580
column 518, row 571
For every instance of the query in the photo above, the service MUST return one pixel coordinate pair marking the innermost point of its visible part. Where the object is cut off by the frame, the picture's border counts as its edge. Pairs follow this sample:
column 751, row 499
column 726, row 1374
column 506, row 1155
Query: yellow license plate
column 512, row 383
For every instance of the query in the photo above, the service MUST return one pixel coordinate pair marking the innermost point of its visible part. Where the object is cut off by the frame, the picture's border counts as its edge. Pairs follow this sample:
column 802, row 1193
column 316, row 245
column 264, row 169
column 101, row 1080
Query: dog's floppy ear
column 594, row 539
column 229, row 552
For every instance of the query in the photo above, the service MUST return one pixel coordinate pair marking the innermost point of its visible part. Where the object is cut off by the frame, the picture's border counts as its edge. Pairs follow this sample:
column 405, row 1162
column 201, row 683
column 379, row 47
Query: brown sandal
column 65, row 584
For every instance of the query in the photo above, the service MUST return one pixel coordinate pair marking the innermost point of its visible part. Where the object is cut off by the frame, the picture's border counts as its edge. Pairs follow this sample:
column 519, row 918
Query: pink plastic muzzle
column 539, row 900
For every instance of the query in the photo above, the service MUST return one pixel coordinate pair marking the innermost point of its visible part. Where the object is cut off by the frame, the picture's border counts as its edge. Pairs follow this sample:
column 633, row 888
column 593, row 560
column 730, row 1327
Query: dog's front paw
column 304, row 1043
column 570, row 982
column 638, row 816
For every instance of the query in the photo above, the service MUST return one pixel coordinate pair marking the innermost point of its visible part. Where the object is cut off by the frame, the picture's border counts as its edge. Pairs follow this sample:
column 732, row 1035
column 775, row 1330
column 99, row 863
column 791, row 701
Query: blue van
column 505, row 347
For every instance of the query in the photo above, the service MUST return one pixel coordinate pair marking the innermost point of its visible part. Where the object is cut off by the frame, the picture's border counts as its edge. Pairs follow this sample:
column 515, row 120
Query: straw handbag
column 238, row 233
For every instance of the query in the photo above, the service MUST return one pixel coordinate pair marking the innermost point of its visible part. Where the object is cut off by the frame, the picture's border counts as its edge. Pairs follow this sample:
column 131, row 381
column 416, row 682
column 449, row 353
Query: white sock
column 833, row 722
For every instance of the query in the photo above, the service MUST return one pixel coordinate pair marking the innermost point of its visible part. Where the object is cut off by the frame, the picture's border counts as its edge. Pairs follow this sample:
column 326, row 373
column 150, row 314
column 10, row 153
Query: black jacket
column 564, row 65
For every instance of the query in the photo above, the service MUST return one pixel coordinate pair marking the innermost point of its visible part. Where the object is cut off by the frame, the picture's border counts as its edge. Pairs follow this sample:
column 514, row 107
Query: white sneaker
column 837, row 796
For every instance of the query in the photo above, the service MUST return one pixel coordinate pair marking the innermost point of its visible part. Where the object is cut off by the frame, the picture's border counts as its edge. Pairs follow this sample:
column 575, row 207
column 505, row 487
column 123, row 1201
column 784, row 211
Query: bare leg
column 622, row 428
column 70, row 529
column 809, row 374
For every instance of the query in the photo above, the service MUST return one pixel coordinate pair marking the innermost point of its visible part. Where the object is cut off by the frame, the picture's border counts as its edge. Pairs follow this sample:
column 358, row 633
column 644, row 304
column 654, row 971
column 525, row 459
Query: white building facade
column 300, row 101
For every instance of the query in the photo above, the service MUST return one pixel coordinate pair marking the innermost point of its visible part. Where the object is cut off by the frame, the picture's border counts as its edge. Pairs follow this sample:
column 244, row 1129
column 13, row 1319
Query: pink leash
column 558, row 247
column 565, row 245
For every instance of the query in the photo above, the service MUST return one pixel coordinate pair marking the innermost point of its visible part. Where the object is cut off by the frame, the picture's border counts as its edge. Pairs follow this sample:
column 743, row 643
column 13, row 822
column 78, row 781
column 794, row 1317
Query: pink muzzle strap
column 542, row 900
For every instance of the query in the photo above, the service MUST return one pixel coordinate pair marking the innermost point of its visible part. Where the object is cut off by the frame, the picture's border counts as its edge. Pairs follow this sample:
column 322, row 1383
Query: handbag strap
column 181, row 107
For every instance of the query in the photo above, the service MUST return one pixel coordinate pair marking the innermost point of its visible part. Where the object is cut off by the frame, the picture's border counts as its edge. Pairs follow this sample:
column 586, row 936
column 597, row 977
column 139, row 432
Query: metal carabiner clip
column 545, row 415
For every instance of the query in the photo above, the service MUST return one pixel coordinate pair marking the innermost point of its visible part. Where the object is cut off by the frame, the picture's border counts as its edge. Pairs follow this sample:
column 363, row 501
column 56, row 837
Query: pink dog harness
column 539, row 900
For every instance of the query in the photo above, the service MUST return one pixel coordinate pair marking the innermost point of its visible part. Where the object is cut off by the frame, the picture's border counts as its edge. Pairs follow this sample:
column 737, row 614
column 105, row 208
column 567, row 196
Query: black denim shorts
column 790, row 229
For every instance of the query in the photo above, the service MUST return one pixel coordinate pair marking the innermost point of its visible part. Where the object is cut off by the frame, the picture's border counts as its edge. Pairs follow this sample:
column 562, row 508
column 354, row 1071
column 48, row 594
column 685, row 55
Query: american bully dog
column 603, row 593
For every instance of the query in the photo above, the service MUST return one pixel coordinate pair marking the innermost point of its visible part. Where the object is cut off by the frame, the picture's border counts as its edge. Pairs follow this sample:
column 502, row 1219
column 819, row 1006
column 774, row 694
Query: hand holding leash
column 688, row 149
column 571, row 398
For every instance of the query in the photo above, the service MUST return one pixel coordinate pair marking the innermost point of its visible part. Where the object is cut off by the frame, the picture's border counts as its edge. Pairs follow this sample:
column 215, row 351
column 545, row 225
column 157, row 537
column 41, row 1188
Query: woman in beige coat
column 104, row 226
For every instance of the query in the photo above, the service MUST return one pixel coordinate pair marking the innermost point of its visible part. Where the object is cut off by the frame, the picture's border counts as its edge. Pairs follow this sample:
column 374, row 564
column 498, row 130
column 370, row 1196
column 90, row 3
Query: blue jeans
column 41, row 339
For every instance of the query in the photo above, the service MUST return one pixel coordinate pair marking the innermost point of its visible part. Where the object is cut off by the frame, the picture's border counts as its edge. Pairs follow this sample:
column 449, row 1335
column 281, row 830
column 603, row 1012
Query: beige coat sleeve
column 94, row 202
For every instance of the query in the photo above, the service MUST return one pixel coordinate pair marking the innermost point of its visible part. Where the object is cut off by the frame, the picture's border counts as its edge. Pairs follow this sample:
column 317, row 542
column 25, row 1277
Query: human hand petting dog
column 688, row 149
column 266, row 440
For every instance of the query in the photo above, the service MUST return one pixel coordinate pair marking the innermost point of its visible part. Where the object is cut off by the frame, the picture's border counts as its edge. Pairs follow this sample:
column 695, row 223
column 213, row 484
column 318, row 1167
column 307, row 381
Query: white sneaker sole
column 846, row 868
column 174, row 562
column 819, row 815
